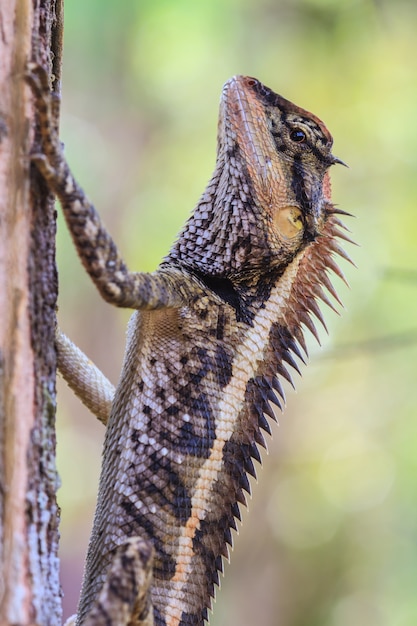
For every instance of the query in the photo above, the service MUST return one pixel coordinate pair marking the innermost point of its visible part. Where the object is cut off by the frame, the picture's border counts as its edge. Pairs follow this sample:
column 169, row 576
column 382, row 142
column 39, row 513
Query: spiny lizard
column 215, row 329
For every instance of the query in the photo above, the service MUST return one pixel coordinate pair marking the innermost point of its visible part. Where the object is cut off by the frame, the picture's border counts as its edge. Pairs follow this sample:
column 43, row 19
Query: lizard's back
column 163, row 476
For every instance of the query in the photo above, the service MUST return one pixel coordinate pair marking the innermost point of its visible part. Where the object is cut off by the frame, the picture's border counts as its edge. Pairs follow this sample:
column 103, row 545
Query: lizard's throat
column 226, row 234
column 221, row 242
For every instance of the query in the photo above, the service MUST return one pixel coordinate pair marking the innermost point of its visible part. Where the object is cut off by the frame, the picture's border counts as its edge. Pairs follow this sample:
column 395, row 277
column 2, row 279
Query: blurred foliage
column 330, row 538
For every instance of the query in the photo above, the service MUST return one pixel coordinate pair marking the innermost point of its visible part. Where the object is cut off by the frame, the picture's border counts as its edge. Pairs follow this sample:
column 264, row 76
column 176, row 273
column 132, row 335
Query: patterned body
column 215, row 329
column 198, row 379
column 178, row 445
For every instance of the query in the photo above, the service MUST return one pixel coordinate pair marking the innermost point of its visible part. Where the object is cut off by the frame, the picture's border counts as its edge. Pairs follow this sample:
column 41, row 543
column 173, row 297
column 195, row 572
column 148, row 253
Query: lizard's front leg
column 95, row 247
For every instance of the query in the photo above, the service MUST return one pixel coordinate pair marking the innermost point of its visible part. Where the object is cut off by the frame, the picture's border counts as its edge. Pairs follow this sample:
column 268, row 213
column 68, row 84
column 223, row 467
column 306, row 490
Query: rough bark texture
column 29, row 582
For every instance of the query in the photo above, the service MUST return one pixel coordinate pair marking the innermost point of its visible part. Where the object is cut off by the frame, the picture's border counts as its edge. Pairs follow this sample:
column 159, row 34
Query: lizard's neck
column 224, row 237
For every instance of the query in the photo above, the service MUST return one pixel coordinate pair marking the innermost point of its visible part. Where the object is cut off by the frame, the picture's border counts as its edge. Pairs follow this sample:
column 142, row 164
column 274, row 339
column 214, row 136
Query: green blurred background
column 330, row 539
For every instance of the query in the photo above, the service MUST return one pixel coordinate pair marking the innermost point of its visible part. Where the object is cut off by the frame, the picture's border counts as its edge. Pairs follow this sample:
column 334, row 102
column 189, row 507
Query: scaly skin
column 215, row 328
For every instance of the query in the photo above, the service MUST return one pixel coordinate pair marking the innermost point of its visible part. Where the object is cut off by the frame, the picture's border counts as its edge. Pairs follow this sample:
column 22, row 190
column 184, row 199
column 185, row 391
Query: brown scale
column 217, row 327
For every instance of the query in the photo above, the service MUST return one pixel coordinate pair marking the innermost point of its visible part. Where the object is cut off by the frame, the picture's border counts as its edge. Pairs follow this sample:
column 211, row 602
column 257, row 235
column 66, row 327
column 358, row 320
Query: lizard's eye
column 297, row 135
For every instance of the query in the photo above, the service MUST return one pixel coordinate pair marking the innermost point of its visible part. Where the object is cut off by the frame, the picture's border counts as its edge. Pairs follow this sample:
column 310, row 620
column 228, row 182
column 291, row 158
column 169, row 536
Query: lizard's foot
column 37, row 76
column 49, row 160
column 46, row 104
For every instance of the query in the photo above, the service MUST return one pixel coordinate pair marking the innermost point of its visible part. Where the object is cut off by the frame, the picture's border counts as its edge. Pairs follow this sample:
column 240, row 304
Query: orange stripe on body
column 245, row 365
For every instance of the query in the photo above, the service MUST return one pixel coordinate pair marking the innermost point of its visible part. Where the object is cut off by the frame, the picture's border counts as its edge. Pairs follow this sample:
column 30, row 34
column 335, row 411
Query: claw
column 36, row 78
column 36, row 71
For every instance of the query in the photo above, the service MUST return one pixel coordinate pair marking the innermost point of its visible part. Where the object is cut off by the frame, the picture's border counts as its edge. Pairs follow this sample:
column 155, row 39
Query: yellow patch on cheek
column 288, row 221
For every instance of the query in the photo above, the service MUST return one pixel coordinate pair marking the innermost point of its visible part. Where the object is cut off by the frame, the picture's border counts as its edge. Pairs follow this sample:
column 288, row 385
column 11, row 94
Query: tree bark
column 29, row 578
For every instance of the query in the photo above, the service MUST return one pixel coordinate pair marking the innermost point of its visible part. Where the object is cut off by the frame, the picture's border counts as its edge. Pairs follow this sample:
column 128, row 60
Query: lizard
column 214, row 332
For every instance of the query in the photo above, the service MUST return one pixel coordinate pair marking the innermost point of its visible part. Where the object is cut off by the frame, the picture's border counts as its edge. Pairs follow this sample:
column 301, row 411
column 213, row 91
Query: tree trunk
column 29, row 581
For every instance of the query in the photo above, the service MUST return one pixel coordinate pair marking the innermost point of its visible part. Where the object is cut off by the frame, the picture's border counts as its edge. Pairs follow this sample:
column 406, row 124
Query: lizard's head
column 269, row 197
column 287, row 153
